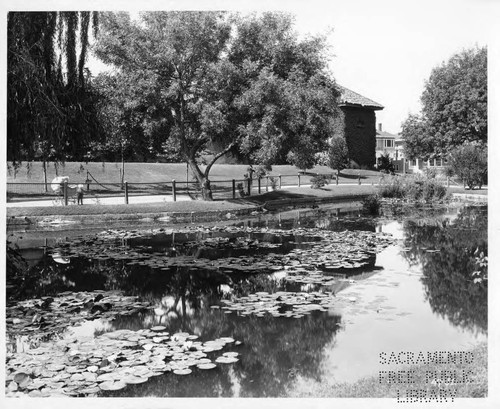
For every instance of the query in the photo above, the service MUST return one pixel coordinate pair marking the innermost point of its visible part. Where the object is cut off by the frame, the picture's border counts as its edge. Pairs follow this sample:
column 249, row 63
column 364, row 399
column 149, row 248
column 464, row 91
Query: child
column 79, row 194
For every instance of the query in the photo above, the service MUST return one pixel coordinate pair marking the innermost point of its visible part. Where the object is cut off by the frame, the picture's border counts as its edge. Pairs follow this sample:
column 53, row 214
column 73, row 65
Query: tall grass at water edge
column 415, row 188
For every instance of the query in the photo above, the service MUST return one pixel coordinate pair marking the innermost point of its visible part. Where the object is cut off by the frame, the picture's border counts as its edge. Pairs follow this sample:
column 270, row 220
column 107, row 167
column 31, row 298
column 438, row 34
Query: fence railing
column 221, row 189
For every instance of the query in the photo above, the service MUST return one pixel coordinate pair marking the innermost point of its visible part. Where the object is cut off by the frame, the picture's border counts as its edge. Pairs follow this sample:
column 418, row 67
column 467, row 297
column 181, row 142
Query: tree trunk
column 45, row 175
column 206, row 190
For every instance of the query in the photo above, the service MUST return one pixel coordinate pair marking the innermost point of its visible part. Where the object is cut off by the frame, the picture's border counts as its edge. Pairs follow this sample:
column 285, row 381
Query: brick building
column 357, row 124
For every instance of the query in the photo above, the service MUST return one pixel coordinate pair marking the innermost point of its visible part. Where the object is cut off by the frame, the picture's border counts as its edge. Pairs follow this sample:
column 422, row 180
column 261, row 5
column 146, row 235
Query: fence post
column 267, row 183
column 447, row 181
column 298, row 176
column 359, row 178
column 65, row 193
column 279, row 181
column 126, row 192
column 174, row 192
column 249, row 186
column 234, row 189
column 258, row 183
column 88, row 181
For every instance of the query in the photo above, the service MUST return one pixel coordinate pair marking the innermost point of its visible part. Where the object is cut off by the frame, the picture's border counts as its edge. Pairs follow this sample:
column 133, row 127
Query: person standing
column 79, row 194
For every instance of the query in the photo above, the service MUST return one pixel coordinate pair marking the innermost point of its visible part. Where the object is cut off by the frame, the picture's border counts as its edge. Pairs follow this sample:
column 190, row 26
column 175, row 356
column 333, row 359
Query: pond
column 253, row 308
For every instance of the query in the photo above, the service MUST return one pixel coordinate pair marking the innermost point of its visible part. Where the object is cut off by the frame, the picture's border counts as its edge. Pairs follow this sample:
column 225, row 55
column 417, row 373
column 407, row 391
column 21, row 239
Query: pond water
column 273, row 302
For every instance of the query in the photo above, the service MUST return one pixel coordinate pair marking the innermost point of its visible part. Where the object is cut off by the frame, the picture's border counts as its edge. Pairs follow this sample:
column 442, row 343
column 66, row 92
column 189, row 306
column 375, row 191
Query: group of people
column 58, row 187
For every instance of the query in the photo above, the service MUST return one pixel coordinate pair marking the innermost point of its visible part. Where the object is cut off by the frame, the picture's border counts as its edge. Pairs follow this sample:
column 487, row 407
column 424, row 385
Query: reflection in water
column 274, row 351
column 448, row 276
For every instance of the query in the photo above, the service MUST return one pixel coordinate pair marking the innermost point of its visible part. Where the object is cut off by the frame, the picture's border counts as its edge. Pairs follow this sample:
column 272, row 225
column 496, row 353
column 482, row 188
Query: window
column 413, row 162
column 389, row 143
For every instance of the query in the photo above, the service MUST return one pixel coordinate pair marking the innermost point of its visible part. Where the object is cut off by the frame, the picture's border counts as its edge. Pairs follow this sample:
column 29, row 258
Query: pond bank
column 373, row 387
column 180, row 212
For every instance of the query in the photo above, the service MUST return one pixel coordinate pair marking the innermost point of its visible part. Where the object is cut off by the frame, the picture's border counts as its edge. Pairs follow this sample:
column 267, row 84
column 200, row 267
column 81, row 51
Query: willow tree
column 50, row 114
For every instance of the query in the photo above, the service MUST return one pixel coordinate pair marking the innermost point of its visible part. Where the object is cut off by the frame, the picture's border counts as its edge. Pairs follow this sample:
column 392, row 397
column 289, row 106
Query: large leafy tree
column 454, row 107
column 217, row 84
column 50, row 105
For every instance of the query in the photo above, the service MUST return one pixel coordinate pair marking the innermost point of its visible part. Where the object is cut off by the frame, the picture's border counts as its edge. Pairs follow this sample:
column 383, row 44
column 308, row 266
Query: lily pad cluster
column 111, row 361
column 279, row 304
column 327, row 250
column 304, row 276
column 46, row 316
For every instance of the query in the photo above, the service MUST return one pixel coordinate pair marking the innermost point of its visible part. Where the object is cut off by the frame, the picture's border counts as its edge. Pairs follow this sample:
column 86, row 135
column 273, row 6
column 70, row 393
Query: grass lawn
column 109, row 172
column 460, row 189
column 371, row 387
column 182, row 207
column 307, row 192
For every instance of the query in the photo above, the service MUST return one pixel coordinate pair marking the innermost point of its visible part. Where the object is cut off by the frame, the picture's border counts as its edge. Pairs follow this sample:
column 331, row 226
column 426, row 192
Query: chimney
column 380, row 127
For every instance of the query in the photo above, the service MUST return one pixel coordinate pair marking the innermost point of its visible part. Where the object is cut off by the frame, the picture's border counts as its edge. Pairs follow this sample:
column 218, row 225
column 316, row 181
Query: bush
column 392, row 187
column 430, row 173
column 241, row 189
column 319, row 181
column 371, row 204
column 385, row 164
column 470, row 163
column 412, row 188
column 274, row 182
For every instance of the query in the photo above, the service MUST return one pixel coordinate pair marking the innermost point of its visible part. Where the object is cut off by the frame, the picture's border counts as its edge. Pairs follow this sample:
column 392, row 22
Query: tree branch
column 216, row 157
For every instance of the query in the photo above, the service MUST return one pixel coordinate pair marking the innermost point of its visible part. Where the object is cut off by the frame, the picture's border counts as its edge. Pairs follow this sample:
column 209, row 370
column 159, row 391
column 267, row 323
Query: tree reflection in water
column 447, row 274
column 273, row 352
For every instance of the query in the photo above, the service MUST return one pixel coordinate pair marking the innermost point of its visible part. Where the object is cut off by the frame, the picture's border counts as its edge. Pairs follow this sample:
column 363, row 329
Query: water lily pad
column 226, row 360
column 208, row 365
column 112, row 386
column 134, row 380
column 185, row 371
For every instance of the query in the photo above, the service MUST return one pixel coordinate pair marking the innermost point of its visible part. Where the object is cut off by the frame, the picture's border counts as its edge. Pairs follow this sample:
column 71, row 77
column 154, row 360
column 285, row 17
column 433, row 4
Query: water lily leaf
column 208, row 365
column 185, row 371
column 226, row 360
column 134, row 380
column 112, row 386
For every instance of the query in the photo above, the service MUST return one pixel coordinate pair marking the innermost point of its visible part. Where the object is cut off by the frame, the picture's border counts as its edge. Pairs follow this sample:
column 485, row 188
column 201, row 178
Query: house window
column 413, row 162
column 389, row 143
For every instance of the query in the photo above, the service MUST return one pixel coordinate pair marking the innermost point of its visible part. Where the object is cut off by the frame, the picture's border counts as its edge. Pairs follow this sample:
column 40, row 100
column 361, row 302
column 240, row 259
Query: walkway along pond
column 251, row 308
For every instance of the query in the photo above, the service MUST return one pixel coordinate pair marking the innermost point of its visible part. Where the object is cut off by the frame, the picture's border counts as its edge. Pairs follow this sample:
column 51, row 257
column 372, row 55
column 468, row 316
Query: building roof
column 384, row 134
column 351, row 98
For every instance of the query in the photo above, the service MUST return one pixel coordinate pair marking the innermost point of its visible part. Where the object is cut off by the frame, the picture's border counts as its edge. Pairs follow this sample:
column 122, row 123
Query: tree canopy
column 454, row 107
column 213, row 83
